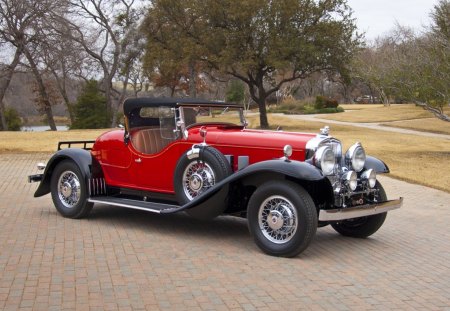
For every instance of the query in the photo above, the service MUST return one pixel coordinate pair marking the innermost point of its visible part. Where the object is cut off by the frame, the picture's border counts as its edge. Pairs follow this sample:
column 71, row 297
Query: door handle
column 138, row 160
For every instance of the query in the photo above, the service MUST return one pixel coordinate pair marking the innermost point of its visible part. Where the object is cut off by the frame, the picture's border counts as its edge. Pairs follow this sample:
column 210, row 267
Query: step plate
column 133, row 204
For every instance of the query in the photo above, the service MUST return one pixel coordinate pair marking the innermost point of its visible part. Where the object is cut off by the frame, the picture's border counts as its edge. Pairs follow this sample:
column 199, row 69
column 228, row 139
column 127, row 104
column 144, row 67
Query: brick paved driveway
column 123, row 259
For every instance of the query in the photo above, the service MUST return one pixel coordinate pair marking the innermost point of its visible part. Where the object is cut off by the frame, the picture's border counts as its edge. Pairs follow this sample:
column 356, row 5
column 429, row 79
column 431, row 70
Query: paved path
column 122, row 259
column 374, row 126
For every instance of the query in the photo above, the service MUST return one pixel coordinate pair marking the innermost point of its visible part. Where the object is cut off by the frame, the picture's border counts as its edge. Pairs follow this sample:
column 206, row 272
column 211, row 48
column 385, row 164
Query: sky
column 377, row 17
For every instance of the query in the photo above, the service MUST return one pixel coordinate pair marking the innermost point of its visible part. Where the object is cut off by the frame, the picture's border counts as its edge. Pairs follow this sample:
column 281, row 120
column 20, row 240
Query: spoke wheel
column 197, row 178
column 282, row 218
column 278, row 219
column 69, row 191
column 194, row 176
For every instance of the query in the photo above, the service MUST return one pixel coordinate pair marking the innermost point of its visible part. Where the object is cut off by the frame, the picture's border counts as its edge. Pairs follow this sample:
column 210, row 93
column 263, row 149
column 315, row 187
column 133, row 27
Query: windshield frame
column 183, row 126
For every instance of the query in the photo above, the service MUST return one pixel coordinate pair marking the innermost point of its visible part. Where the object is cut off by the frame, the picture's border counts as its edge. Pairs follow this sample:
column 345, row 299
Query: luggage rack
column 69, row 144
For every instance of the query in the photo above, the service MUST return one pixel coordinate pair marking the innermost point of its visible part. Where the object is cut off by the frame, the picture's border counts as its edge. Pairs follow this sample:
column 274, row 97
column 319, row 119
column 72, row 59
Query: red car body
column 124, row 166
column 199, row 156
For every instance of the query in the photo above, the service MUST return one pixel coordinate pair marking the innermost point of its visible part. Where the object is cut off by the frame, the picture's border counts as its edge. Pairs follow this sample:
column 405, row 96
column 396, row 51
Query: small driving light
column 287, row 151
column 351, row 179
column 41, row 166
column 356, row 157
column 325, row 160
column 371, row 177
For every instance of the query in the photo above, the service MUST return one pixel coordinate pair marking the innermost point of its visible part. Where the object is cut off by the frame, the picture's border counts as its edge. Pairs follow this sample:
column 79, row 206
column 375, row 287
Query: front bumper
column 359, row 211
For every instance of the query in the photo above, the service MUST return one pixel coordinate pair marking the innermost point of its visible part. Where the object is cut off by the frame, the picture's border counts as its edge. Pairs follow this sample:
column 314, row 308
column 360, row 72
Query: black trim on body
column 376, row 164
column 294, row 169
column 81, row 157
column 69, row 144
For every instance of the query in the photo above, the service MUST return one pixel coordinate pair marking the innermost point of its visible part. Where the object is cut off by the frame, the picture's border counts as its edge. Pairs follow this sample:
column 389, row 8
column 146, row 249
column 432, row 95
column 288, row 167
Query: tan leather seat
column 149, row 140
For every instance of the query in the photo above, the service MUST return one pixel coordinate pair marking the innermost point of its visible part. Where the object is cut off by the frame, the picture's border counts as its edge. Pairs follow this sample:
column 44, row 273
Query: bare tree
column 16, row 19
column 102, row 29
column 22, row 27
column 63, row 60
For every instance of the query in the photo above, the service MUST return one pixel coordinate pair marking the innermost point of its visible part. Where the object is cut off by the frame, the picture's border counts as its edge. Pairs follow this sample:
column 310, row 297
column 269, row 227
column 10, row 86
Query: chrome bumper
column 359, row 211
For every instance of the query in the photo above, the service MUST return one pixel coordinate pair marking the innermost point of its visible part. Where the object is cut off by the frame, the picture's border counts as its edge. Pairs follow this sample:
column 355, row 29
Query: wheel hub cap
column 66, row 190
column 196, row 182
column 275, row 220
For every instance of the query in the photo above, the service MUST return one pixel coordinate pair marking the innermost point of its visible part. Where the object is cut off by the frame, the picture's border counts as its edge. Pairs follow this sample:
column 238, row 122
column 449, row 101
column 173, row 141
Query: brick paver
column 120, row 259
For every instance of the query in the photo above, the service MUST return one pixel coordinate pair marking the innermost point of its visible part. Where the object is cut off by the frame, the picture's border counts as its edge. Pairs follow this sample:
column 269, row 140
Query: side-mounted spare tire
column 195, row 175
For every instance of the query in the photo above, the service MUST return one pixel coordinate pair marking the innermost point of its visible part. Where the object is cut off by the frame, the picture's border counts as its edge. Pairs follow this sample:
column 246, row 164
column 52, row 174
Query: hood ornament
column 325, row 131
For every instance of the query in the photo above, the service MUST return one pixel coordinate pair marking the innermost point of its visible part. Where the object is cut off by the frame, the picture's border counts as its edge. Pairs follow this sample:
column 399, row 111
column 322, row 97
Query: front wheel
column 69, row 191
column 282, row 218
column 364, row 226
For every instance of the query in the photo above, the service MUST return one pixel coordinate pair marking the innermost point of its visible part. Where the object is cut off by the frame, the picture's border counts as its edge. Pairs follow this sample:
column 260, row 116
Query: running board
column 159, row 208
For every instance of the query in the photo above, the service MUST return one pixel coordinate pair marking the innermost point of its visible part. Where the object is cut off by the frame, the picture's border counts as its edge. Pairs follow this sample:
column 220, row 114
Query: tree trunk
column 42, row 91
column 108, row 95
column 192, row 84
column 437, row 113
column 263, row 121
column 384, row 98
column 260, row 99
column 121, row 99
column 4, row 84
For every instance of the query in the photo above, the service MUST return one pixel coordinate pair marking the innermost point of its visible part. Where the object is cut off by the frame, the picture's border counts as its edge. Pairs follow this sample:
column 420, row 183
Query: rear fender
column 81, row 157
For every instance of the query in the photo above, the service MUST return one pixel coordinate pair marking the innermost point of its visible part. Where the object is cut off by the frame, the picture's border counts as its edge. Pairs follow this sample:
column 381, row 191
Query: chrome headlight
column 370, row 176
column 351, row 179
column 356, row 157
column 325, row 160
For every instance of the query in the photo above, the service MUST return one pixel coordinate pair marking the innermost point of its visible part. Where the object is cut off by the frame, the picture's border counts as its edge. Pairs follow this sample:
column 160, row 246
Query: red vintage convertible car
column 198, row 156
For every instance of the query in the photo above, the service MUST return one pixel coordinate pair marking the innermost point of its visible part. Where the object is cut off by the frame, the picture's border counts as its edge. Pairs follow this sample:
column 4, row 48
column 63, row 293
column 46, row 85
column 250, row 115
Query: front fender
column 81, row 157
column 376, row 164
column 294, row 169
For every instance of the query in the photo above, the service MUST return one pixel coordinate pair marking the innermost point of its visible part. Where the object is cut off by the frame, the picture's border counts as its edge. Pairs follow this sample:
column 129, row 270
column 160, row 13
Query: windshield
column 221, row 115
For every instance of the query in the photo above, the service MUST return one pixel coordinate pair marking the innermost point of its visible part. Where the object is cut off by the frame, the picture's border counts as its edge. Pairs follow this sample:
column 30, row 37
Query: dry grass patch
column 416, row 159
column 412, row 158
column 360, row 106
column 432, row 125
column 42, row 141
column 381, row 114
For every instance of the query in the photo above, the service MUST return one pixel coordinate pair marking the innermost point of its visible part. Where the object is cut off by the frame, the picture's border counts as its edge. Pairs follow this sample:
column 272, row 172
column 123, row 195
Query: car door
column 155, row 152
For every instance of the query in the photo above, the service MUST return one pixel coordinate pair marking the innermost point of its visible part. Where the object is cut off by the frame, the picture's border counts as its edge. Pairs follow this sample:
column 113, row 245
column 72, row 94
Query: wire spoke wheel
column 282, row 218
column 197, row 178
column 278, row 219
column 69, row 189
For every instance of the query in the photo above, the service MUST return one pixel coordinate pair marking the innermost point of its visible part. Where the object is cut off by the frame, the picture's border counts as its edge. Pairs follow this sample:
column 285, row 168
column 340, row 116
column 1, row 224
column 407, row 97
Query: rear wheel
column 282, row 218
column 69, row 191
column 364, row 226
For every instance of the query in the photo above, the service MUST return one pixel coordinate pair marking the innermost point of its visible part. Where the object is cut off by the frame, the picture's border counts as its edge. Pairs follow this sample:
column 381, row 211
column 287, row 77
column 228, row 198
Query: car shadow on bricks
column 171, row 224
column 224, row 230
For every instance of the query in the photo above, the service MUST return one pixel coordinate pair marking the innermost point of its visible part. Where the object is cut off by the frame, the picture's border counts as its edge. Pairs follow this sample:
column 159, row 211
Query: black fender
column 296, row 170
column 376, row 164
column 81, row 157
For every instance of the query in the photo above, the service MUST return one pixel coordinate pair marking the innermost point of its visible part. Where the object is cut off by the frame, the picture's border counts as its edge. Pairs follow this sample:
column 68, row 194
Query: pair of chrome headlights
column 325, row 158
column 355, row 158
